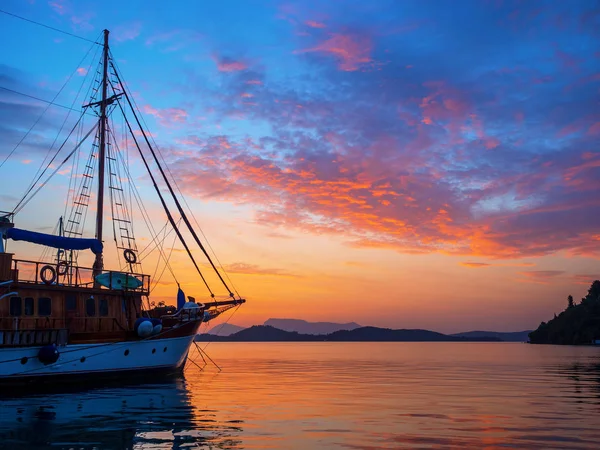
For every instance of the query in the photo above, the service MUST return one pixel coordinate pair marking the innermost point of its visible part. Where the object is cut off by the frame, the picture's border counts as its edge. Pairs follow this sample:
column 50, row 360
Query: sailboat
column 61, row 322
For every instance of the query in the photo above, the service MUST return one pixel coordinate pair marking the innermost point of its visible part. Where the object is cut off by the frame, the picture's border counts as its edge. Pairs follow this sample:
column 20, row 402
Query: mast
column 98, row 263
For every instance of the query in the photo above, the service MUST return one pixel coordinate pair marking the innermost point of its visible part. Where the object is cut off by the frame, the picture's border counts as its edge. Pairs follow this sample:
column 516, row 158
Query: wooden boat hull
column 146, row 359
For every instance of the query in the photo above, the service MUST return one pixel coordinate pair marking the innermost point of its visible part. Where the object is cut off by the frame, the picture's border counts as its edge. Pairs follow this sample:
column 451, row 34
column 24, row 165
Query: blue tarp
column 51, row 240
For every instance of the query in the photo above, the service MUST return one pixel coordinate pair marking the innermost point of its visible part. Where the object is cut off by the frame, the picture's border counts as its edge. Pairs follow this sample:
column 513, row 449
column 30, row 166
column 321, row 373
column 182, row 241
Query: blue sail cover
column 180, row 299
column 51, row 240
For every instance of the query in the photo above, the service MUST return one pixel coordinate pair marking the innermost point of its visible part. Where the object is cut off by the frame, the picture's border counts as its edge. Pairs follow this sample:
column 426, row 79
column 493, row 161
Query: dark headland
column 578, row 324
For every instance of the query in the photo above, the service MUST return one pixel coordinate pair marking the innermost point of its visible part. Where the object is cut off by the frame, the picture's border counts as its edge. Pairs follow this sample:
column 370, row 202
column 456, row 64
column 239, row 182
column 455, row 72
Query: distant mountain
column 265, row 333
column 304, row 327
column 516, row 336
column 225, row 329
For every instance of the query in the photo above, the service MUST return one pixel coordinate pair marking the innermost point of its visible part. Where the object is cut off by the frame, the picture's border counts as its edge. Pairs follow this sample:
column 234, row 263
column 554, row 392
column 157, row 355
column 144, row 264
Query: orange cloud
column 253, row 269
column 541, row 276
column 474, row 264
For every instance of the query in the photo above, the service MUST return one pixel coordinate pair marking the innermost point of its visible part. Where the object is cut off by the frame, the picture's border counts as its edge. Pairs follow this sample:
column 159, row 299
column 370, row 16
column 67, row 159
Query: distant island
column 578, row 324
column 297, row 330
column 266, row 333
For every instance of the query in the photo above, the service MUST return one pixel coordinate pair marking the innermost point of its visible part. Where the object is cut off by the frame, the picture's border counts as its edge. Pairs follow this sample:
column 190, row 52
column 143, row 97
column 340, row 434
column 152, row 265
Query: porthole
column 164, row 349
column 126, row 352
column 153, row 351
column 82, row 359
column 24, row 360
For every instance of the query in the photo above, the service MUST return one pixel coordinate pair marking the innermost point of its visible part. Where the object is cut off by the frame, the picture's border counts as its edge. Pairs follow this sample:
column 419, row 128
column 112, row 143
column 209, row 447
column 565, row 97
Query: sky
column 406, row 164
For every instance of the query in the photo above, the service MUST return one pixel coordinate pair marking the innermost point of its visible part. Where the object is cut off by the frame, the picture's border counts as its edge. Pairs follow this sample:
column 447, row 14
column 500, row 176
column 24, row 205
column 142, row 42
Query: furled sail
column 51, row 240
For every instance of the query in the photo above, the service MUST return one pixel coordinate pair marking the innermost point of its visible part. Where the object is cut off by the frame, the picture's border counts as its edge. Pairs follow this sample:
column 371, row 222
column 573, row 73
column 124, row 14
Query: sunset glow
column 426, row 164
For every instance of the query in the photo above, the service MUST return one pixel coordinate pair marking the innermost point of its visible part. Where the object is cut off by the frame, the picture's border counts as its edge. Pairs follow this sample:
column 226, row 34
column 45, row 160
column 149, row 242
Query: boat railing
column 30, row 272
column 20, row 338
column 88, row 324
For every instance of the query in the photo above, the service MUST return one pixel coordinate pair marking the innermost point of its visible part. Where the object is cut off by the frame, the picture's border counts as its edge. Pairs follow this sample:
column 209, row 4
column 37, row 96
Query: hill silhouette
column 577, row 324
column 264, row 333
column 304, row 327
column 516, row 336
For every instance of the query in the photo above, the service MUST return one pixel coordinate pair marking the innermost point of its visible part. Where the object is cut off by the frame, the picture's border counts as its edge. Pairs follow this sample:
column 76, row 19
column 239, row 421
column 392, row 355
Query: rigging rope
column 32, row 185
column 145, row 215
column 165, row 178
column 49, row 27
column 164, row 205
column 15, row 211
column 157, row 280
column 49, row 103
column 174, row 180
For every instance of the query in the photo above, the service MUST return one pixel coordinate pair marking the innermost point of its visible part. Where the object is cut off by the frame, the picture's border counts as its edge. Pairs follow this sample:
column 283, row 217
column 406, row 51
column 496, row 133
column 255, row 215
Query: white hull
column 96, row 359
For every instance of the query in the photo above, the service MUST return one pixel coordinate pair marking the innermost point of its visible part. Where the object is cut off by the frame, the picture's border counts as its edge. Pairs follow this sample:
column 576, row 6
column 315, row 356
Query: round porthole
column 126, row 352
column 164, row 349
column 153, row 351
column 82, row 359
column 24, row 360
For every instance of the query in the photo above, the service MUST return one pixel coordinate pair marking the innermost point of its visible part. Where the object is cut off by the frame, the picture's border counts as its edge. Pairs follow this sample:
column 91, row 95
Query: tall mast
column 98, row 263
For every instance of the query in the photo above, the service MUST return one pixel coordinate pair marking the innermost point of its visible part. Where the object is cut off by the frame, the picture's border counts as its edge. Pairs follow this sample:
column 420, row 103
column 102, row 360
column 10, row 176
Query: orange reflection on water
column 400, row 395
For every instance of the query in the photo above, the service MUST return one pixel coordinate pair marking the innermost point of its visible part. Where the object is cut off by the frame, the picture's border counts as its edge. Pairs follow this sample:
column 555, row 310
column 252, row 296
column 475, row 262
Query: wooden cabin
column 72, row 309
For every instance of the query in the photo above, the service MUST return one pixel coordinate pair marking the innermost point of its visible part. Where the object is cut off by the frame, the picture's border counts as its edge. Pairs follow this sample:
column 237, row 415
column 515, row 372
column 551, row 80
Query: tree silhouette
column 594, row 291
column 577, row 324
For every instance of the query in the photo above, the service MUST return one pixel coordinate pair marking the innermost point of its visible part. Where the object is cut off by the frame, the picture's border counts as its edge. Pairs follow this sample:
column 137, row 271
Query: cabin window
column 103, row 307
column 71, row 302
column 28, row 306
column 90, row 307
column 44, row 306
column 16, row 307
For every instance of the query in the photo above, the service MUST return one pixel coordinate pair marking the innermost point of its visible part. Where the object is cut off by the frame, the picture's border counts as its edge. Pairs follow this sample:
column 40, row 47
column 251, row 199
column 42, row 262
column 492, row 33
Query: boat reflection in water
column 157, row 416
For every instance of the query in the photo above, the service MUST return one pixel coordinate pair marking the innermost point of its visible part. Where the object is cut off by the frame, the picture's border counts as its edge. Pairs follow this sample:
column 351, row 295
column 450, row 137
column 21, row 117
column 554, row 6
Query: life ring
column 129, row 256
column 62, row 268
column 43, row 274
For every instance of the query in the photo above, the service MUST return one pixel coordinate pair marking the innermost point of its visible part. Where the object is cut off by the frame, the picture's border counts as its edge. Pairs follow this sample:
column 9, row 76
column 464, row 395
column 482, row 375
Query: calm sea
column 334, row 395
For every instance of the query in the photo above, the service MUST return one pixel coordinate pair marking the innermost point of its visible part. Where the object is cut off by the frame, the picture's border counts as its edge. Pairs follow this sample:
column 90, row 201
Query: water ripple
column 334, row 395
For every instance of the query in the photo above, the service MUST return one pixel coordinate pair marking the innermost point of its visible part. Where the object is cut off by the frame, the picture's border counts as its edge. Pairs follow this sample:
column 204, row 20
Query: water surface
column 334, row 395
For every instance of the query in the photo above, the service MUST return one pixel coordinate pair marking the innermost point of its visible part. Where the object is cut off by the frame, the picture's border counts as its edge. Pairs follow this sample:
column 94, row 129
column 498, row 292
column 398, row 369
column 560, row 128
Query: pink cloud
column 229, row 65
column 82, row 22
column 352, row 51
column 315, row 24
column 82, row 71
column 127, row 32
column 58, row 6
column 168, row 116
column 594, row 129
